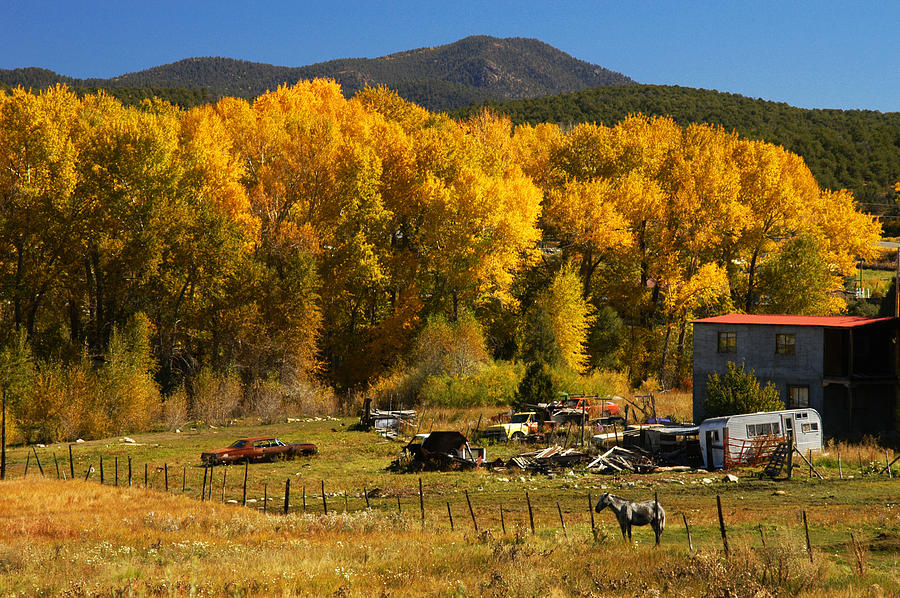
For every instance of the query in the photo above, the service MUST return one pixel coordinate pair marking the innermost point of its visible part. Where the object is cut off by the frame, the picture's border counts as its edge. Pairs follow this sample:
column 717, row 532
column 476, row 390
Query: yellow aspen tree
column 41, row 218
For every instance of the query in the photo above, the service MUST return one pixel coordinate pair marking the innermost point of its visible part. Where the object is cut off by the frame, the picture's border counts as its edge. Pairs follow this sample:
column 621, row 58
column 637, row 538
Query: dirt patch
column 885, row 542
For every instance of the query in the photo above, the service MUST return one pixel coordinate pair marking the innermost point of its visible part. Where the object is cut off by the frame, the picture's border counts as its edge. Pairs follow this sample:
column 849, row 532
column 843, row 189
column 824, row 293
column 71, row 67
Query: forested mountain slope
column 474, row 69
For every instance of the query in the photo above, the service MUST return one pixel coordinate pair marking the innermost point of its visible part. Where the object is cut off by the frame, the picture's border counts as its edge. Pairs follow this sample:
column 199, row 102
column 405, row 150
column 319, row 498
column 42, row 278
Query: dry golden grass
column 76, row 538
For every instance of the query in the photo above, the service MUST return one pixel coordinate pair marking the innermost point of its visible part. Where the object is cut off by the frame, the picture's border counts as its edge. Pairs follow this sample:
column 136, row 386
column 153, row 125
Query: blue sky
column 823, row 54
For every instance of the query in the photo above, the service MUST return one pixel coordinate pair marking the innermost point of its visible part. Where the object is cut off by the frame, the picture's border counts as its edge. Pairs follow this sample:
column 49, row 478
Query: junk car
column 257, row 448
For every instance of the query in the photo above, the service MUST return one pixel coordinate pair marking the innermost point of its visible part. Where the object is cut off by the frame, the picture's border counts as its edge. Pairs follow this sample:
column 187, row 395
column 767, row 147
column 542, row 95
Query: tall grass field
column 71, row 537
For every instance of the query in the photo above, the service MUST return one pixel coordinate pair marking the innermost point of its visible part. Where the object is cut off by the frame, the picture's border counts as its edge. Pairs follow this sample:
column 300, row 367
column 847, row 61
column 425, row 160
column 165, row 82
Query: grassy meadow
column 80, row 538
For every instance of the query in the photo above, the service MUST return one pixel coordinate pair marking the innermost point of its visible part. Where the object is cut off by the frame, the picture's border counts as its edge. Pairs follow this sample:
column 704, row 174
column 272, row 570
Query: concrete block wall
column 756, row 349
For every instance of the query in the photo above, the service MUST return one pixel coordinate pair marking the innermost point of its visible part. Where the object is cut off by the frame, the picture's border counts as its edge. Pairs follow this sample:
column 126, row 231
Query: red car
column 257, row 448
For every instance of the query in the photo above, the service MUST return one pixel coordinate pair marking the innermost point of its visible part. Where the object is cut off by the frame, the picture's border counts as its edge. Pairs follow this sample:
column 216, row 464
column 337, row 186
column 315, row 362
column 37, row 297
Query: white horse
column 631, row 513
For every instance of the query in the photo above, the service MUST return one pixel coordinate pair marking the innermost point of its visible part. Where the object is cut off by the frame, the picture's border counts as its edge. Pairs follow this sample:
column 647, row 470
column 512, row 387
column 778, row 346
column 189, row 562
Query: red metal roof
column 789, row 320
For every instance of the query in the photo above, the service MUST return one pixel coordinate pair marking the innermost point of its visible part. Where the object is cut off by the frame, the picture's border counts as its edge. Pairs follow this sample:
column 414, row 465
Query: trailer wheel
column 518, row 436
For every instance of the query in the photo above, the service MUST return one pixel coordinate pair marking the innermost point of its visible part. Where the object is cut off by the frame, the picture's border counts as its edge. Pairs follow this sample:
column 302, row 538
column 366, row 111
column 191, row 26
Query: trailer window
column 728, row 342
column 810, row 427
column 760, row 430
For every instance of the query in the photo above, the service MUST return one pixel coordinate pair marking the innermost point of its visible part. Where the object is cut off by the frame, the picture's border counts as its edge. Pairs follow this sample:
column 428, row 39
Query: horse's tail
column 662, row 519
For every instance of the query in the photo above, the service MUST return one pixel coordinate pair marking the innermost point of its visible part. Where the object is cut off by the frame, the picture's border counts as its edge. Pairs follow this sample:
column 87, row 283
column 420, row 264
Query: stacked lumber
column 618, row 459
column 549, row 458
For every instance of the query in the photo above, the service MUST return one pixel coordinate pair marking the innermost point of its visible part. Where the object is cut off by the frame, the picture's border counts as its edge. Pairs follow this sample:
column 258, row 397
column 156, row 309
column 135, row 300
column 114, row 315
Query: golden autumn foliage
column 670, row 223
column 306, row 236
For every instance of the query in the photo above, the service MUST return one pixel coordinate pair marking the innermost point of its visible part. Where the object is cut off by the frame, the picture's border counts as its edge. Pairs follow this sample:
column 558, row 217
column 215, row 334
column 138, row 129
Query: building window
column 728, row 342
column 785, row 344
column 798, row 396
column 810, row 427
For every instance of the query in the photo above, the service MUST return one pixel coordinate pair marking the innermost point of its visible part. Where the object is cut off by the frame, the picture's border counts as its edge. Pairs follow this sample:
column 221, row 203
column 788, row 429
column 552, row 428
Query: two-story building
column 845, row 367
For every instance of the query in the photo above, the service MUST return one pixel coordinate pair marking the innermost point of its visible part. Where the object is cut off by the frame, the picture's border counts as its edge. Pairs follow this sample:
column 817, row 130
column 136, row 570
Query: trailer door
column 788, row 427
column 715, row 450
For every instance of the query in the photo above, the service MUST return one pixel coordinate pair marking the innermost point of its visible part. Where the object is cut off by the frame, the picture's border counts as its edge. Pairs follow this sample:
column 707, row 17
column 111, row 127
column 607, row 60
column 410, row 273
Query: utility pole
column 896, row 289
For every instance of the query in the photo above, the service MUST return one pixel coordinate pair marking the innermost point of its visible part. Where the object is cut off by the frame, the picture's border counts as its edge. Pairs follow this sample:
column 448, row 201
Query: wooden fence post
column 56, row 462
column 530, row 512
column 840, row 466
column 502, row 520
column 722, row 526
column 146, row 467
column 450, row 516
column 324, row 499
column 858, row 551
column 27, row 463
column 203, row 490
column 89, row 471
column 183, row 478
column 246, row 470
column 129, row 471
column 366, row 494
column 212, row 473
column 166, row 474
column 808, row 545
column 762, row 537
column 287, row 495
column 265, row 498
column 304, row 499
column 71, row 464
column 38, row 460
column 421, row 503
column 399, row 510
column 688, row 530
column 886, row 461
column 561, row 520
column 656, row 516
column 224, row 478
column 116, row 467
column 101, row 470
column 471, row 512
column 591, row 511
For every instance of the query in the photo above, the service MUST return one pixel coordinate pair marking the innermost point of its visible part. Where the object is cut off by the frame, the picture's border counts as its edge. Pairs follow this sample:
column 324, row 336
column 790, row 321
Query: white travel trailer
column 749, row 434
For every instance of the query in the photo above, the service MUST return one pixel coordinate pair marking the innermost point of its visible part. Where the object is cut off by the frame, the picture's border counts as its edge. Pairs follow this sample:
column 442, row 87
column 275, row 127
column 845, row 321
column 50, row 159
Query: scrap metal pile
column 439, row 451
column 545, row 460
column 618, row 459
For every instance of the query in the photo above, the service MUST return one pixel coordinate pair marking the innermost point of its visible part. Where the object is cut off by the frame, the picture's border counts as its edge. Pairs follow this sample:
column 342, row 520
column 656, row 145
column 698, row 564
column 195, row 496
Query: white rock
column 42, row 446
column 177, row 431
column 707, row 480
column 232, row 502
column 730, row 478
column 128, row 440
column 79, row 441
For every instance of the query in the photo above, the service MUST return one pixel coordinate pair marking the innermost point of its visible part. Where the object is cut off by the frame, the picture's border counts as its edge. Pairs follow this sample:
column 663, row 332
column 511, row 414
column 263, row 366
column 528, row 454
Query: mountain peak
column 474, row 69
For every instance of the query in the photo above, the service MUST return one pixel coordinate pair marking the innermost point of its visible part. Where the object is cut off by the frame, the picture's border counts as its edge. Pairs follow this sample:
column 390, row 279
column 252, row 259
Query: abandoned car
column 257, row 448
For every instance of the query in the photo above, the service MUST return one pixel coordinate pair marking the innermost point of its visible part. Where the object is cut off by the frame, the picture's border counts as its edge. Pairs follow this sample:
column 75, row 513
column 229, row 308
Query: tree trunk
column 748, row 301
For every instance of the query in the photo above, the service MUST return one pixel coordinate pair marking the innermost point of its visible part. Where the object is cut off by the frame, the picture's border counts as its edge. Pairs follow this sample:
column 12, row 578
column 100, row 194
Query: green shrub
column 493, row 385
column 739, row 391
column 598, row 383
column 536, row 386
